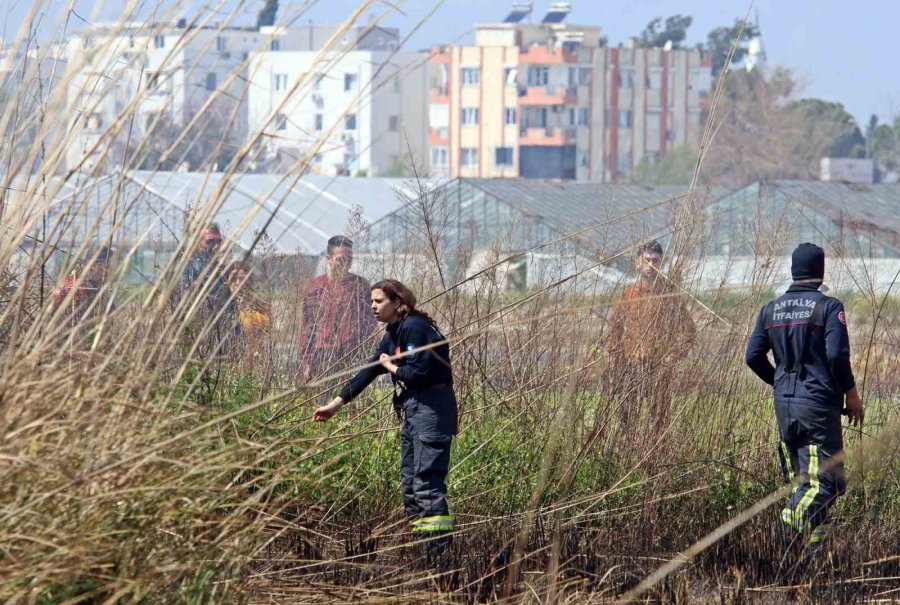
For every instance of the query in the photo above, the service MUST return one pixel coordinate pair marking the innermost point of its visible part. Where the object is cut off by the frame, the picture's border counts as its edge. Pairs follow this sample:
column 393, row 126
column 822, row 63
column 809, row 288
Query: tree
column 674, row 168
column 826, row 130
column 209, row 143
column 675, row 31
column 765, row 134
column 719, row 41
column 268, row 14
column 883, row 143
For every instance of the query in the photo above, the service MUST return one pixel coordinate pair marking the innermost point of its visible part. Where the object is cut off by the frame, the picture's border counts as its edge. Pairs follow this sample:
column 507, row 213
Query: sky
column 839, row 51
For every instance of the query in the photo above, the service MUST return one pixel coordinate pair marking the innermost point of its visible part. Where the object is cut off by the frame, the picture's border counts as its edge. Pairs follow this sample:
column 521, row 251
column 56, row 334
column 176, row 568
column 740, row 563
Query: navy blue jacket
column 415, row 372
column 823, row 373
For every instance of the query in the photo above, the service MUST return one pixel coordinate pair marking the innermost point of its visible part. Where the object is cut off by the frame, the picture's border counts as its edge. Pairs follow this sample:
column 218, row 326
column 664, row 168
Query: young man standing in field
column 812, row 380
column 336, row 315
column 649, row 330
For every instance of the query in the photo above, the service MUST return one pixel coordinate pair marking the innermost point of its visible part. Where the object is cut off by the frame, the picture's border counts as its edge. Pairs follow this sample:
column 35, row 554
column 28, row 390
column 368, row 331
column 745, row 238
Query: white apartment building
column 359, row 107
column 149, row 72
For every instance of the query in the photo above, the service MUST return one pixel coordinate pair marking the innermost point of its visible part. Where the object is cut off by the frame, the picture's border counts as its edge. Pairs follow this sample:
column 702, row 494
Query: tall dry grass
column 143, row 460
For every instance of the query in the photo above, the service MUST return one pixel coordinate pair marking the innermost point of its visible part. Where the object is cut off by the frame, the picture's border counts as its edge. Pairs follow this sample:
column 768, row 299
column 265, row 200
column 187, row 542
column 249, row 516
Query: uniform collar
column 803, row 288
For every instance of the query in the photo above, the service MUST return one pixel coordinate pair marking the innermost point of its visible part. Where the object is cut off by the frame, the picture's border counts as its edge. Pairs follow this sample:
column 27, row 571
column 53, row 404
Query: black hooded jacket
column 812, row 361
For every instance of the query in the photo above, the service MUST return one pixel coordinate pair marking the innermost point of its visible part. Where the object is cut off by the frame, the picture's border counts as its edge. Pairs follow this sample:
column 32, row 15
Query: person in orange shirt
column 649, row 330
column 255, row 315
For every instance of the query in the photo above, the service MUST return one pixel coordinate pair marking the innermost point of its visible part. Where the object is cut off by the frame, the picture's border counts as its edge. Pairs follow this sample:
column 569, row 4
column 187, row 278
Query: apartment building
column 150, row 73
column 548, row 100
column 357, row 107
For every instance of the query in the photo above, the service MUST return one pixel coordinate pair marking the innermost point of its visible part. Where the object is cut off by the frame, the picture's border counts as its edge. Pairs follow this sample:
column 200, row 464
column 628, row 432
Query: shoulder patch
column 410, row 347
column 842, row 318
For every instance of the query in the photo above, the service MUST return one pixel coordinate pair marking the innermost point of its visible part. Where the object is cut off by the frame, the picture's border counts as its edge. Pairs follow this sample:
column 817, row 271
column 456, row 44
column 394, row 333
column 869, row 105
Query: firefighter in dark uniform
column 813, row 381
column 424, row 395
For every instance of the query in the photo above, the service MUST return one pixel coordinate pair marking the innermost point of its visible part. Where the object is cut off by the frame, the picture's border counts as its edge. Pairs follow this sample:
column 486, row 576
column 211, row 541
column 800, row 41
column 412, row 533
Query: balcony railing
column 543, row 54
column 550, row 136
column 547, row 95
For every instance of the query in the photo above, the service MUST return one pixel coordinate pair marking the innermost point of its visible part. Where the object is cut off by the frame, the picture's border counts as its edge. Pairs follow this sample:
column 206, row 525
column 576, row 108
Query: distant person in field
column 336, row 316
column 812, row 381
column 204, row 276
column 423, row 383
column 80, row 289
column 255, row 314
column 650, row 329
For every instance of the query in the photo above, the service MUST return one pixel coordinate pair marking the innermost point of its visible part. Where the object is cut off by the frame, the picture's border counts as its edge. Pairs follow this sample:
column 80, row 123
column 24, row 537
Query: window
column 538, row 76
column 393, row 123
column 159, row 41
column 280, row 121
column 398, row 84
column 584, row 75
column 469, row 116
column 624, row 161
column 221, row 43
column 670, row 134
column 319, row 122
column 654, row 79
column 510, row 74
column 350, row 121
column 211, row 82
column 317, row 81
column 626, row 78
column 349, row 160
column 538, row 118
column 584, row 116
column 438, row 156
column 351, row 81
column 469, row 156
column 700, row 79
column 582, row 158
column 509, row 117
column 580, row 116
column 94, row 121
column 470, row 76
column 275, row 45
column 280, row 82
column 504, row 156
column 573, row 77
column 625, row 118
column 654, row 121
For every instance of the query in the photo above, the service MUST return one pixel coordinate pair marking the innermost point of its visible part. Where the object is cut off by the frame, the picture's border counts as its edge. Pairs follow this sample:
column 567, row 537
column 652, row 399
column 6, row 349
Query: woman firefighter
column 423, row 385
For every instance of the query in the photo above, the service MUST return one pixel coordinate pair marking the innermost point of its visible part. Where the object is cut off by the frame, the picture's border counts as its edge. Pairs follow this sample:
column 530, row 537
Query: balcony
column 547, row 95
column 543, row 54
column 439, row 136
column 547, row 137
column 440, row 95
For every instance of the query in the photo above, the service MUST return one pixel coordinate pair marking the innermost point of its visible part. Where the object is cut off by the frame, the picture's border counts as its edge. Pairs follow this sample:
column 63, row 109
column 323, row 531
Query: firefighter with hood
column 416, row 355
column 813, row 382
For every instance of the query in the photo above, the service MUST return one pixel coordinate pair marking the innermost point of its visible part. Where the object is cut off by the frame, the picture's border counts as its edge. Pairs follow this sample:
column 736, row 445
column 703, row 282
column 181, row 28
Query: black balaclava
column 808, row 263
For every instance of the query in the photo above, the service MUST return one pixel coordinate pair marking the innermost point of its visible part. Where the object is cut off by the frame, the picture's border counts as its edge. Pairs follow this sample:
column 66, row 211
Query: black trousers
column 429, row 423
column 809, row 436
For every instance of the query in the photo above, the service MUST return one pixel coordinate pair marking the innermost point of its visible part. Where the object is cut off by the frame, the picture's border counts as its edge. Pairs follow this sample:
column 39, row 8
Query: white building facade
column 147, row 75
column 357, row 108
